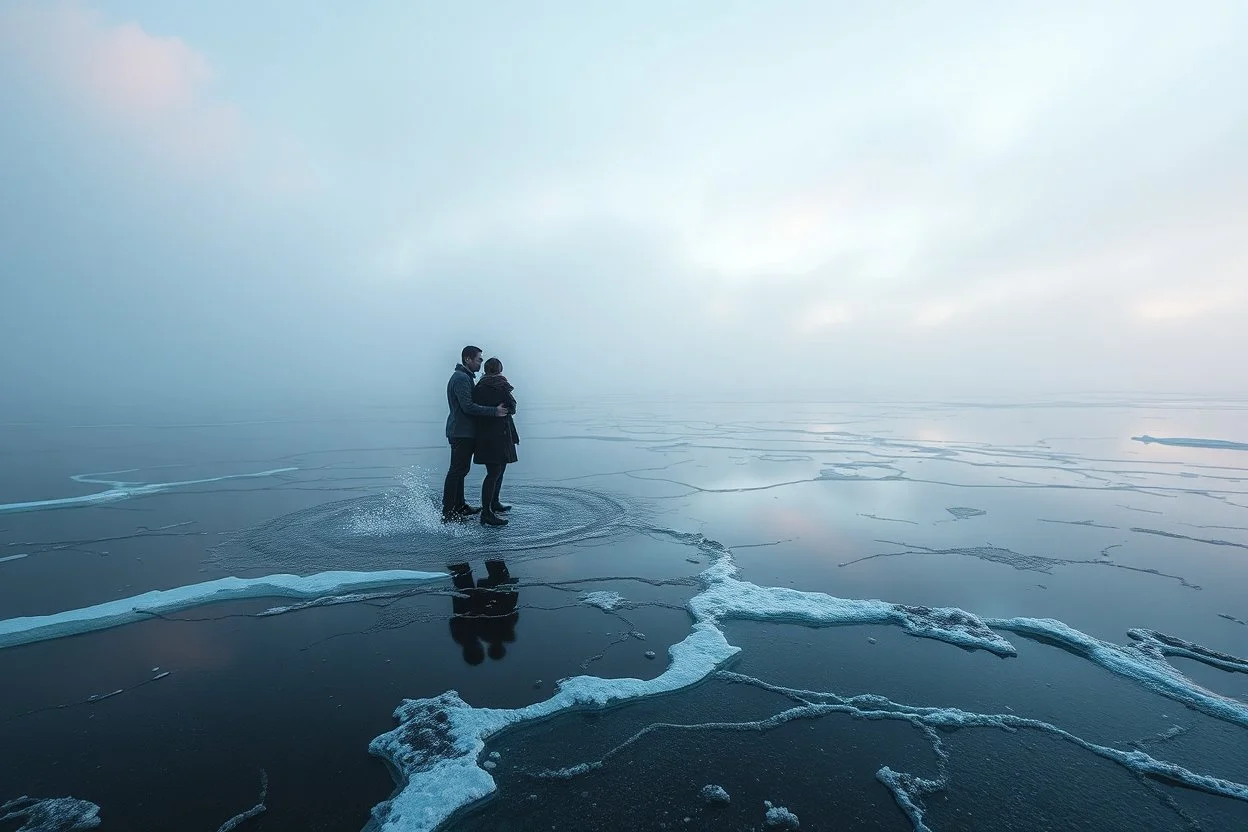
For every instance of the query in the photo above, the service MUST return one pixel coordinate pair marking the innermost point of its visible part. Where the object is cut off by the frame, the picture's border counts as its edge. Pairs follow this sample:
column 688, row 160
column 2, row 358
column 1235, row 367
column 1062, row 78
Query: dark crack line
column 1177, row 536
column 90, row 700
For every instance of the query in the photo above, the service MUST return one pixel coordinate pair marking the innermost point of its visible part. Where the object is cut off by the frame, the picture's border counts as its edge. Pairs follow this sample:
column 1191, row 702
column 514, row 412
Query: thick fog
column 301, row 201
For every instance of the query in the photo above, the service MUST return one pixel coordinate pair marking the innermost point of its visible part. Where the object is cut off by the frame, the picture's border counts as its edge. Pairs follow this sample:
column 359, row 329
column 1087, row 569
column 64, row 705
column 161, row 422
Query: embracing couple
column 479, row 426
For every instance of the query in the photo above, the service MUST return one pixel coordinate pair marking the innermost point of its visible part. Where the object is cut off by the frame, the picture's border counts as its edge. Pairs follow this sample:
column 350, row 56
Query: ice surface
column 55, row 814
column 15, row 557
column 1216, row 444
column 25, row 630
column 434, row 749
column 121, row 490
column 606, row 601
column 715, row 794
column 963, row 512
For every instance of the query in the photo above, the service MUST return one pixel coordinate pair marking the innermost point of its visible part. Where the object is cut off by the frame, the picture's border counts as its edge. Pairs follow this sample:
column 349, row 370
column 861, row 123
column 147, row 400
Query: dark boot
column 469, row 510
column 489, row 518
column 499, row 508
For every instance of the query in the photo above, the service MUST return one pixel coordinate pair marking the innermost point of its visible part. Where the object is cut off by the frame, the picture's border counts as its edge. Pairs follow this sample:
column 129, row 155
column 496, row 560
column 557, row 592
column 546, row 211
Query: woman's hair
column 493, row 366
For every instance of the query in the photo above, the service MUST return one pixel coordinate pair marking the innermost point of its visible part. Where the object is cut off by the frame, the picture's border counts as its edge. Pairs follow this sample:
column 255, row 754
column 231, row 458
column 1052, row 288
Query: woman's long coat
column 496, row 436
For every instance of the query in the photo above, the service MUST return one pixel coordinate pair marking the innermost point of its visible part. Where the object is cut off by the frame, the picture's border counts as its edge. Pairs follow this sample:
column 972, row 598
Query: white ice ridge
column 54, row 814
column 1142, row 663
column 435, row 748
column 121, row 490
column 605, row 601
column 15, row 557
column 15, row 631
column 1181, row 442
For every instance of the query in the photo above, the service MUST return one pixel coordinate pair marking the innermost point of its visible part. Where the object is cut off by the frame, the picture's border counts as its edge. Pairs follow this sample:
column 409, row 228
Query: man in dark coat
column 461, row 432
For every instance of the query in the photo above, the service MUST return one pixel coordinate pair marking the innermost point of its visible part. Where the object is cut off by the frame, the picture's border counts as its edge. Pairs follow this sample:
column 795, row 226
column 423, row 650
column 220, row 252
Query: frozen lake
column 872, row 616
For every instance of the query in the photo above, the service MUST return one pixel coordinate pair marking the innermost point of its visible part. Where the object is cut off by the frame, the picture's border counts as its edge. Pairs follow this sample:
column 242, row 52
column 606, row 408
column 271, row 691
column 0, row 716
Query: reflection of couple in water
column 479, row 427
column 484, row 611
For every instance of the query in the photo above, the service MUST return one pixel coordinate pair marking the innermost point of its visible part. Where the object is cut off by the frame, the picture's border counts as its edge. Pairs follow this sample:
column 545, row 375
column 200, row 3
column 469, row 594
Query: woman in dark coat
column 496, row 440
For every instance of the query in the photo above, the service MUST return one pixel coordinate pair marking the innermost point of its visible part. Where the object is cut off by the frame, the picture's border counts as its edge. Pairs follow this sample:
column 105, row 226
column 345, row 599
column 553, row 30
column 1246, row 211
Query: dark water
column 1069, row 530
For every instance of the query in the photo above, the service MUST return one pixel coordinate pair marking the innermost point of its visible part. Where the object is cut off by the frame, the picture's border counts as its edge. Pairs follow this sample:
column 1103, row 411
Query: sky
column 701, row 200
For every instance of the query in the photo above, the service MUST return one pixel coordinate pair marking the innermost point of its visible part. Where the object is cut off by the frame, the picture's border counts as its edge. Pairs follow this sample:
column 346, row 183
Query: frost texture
column 779, row 817
column 55, row 814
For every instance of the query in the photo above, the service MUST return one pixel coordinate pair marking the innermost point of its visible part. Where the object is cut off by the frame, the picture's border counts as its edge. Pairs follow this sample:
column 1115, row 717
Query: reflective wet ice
column 892, row 616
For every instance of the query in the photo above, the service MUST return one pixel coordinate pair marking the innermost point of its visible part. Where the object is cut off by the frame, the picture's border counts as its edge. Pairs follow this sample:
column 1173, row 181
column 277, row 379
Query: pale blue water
column 1040, row 510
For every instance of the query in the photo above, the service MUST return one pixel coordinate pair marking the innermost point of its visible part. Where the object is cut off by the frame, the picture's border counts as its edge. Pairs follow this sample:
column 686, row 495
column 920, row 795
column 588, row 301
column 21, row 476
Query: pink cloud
column 153, row 89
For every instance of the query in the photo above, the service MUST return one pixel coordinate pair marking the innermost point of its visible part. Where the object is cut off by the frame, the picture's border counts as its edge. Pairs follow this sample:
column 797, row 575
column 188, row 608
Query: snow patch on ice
column 605, row 601
column 715, row 794
column 779, row 817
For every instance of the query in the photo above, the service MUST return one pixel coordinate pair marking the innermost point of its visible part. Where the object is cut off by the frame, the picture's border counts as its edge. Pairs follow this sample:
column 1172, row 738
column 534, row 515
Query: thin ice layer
column 28, row 629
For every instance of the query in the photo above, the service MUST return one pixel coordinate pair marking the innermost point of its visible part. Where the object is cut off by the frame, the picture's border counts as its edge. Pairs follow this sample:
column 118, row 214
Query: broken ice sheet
column 797, row 765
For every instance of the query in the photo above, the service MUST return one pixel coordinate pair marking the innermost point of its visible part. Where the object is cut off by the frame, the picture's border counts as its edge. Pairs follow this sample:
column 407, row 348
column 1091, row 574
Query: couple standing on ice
column 480, row 427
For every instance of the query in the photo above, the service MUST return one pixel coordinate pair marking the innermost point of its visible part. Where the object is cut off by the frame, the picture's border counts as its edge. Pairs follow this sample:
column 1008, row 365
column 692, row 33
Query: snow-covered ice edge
column 28, row 629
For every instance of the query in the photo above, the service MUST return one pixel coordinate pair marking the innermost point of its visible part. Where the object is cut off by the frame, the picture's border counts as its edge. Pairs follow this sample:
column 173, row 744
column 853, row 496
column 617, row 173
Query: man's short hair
column 469, row 352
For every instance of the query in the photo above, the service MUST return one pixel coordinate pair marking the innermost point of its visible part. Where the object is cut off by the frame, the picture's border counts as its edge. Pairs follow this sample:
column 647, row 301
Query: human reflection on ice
column 484, row 611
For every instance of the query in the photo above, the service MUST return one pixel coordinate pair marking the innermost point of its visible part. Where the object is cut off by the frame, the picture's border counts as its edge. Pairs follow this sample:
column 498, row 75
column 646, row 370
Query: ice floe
column 715, row 794
column 24, row 630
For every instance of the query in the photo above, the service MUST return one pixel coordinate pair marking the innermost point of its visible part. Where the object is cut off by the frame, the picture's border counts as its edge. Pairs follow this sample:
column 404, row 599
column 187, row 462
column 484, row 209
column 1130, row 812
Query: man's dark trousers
column 461, row 464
